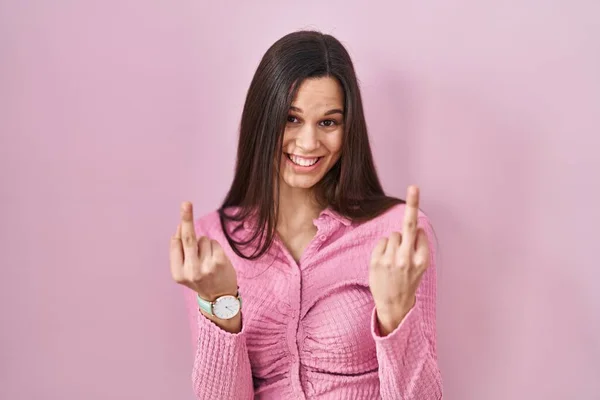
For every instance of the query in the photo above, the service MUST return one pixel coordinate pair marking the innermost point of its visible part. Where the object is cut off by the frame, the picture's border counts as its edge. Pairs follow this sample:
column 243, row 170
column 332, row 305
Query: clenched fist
column 397, row 266
column 200, row 264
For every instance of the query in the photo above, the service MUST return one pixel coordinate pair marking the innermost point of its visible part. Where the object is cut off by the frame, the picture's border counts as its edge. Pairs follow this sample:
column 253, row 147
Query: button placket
column 295, row 296
column 295, row 334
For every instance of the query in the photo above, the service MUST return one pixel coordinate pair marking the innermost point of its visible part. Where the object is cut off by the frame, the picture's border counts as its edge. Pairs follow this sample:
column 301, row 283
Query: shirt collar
column 335, row 216
column 249, row 224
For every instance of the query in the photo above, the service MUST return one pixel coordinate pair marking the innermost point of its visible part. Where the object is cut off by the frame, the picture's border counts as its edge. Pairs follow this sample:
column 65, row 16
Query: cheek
column 286, row 140
column 334, row 143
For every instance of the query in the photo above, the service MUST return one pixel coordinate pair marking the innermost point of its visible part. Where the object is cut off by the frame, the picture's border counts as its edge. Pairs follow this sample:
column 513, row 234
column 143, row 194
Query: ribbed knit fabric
column 309, row 329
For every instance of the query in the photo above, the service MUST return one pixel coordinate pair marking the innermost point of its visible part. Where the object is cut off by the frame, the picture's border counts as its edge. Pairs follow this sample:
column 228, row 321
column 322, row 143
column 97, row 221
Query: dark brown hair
column 351, row 188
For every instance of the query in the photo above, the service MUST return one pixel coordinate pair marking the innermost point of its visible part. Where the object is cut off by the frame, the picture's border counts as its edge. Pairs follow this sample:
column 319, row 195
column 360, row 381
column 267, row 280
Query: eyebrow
column 330, row 112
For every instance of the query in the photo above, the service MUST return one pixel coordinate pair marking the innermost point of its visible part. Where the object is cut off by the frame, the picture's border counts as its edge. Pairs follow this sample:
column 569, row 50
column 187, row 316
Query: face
column 312, row 141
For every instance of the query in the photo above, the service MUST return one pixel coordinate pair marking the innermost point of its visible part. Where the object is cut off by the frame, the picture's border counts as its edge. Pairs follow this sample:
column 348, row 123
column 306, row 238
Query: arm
column 407, row 356
column 221, row 364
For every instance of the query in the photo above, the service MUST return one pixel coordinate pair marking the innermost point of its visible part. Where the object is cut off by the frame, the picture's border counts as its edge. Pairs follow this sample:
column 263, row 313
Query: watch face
column 226, row 307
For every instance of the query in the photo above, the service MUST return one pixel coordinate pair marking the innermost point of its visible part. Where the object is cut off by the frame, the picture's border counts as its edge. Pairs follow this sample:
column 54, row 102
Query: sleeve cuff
column 206, row 327
column 221, row 365
column 410, row 325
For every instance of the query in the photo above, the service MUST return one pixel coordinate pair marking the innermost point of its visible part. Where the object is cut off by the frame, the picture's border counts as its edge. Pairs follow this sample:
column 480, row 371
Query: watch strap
column 204, row 305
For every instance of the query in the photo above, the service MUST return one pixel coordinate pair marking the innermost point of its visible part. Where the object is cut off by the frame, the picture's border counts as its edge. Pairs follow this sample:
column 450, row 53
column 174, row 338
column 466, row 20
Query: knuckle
column 195, row 273
column 188, row 240
column 196, row 276
column 178, row 277
column 209, row 264
column 207, row 269
column 420, row 262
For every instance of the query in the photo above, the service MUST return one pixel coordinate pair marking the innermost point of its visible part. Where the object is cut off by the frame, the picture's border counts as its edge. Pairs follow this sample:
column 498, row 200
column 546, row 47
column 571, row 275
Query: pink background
column 113, row 112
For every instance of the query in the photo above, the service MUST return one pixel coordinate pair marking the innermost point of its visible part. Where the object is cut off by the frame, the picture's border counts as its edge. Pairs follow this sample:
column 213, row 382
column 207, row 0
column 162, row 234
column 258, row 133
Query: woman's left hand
column 397, row 266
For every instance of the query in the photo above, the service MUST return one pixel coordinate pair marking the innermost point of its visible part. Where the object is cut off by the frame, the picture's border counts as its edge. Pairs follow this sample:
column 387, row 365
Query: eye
column 329, row 123
column 291, row 119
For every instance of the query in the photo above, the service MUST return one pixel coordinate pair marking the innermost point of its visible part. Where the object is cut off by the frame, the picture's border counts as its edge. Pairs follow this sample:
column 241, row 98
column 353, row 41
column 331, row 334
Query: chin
column 295, row 183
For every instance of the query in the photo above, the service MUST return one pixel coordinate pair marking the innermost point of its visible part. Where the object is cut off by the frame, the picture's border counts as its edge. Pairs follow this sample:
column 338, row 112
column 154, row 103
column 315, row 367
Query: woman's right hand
column 200, row 264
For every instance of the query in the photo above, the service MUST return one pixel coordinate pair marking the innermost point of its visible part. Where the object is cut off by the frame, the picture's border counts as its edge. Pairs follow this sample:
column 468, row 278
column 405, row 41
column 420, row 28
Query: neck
column 297, row 209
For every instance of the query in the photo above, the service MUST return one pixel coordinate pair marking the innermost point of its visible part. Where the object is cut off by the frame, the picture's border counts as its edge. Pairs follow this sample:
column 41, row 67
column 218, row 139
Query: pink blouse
column 309, row 328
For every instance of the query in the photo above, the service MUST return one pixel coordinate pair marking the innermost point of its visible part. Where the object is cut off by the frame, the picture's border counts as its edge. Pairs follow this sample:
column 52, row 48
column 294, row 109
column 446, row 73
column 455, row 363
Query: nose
column 307, row 138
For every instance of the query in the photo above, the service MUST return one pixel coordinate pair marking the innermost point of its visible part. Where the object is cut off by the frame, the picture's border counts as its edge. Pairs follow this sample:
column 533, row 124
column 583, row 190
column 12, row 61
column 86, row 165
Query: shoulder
column 393, row 219
column 208, row 224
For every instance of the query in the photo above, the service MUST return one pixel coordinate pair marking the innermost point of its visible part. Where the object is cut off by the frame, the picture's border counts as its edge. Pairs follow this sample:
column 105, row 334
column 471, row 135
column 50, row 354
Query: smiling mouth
column 303, row 161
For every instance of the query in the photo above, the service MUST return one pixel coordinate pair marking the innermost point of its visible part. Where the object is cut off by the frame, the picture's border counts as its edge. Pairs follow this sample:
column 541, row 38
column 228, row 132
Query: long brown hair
column 351, row 188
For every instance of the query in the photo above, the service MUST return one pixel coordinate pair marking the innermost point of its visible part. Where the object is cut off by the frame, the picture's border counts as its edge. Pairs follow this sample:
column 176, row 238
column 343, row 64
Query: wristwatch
column 224, row 307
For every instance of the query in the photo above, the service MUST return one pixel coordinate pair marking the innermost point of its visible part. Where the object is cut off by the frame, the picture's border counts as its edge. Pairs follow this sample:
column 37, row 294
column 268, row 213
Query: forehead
column 318, row 93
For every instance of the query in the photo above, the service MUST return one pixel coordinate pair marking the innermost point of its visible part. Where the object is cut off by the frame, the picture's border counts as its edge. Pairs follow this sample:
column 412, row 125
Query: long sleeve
column 407, row 357
column 221, row 364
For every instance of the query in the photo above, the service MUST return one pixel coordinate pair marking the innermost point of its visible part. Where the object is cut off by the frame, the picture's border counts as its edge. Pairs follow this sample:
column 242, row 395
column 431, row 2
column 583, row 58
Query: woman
column 302, row 285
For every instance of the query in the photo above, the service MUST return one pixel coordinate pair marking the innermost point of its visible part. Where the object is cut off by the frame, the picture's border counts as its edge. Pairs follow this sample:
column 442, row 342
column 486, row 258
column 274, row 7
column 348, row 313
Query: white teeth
column 304, row 162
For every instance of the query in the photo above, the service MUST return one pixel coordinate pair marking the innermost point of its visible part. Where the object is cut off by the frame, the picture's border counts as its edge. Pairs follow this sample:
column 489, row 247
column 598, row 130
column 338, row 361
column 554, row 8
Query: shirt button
column 322, row 238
